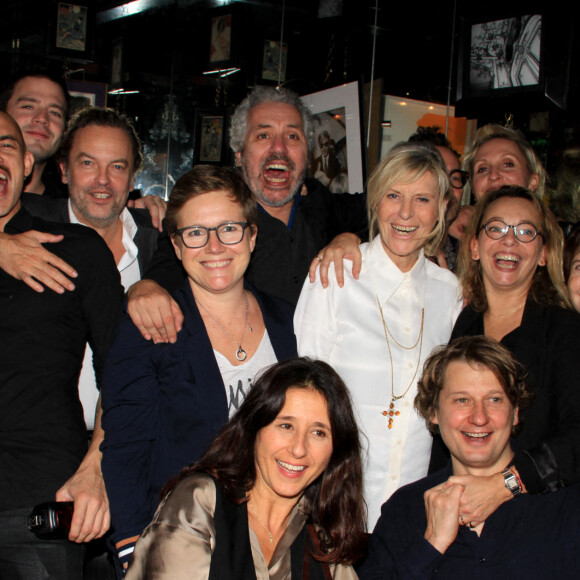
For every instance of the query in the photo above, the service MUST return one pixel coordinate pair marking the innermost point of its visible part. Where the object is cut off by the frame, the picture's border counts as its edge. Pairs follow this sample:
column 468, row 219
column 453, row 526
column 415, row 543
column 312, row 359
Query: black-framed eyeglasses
column 524, row 232
column 458, row 178
column 198, row 236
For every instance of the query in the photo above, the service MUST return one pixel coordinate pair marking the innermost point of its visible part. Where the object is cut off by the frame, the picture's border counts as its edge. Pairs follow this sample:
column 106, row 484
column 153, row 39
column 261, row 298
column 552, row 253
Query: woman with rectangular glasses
column 510, row 267
column 164, row 403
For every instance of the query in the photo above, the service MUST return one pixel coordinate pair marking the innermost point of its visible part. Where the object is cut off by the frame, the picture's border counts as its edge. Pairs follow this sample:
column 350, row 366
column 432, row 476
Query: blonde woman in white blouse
column 378, row 330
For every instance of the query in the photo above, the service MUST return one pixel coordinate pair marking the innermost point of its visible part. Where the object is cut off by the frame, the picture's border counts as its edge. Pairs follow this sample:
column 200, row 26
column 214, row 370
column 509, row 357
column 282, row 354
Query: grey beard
column 263, row 200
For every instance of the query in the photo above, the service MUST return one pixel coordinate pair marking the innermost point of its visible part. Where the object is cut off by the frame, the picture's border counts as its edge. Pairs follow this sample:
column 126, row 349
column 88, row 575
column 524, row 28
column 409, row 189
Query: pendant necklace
column 270, row 534
column 392, row 412
column 241, row 354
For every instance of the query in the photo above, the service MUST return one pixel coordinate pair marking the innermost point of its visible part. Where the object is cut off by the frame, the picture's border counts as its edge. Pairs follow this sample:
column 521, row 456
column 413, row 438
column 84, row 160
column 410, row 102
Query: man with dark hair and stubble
column 38, row 101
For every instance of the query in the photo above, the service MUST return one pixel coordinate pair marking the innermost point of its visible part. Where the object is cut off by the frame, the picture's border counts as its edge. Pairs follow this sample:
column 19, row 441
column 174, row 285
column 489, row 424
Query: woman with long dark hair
column 277, row 495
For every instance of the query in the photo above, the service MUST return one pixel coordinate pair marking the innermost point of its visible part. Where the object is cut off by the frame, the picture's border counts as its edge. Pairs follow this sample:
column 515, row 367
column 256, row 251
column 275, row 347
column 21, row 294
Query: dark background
column 166, row 48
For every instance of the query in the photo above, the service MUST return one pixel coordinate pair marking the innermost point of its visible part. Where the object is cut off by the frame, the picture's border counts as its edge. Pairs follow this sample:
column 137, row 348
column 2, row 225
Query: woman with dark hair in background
column 277, row 495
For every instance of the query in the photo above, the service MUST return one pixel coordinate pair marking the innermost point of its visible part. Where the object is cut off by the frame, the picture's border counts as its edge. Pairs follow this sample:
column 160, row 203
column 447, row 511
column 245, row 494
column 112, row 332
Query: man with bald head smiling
column 43, row 445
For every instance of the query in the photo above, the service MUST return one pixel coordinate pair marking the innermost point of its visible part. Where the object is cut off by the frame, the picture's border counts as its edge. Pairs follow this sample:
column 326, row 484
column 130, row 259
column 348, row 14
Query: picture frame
column 338, row 130
column 274, row 58
column 513, row 60
column 84, row 94
column 210, row 136
column 71, row 27
column 221, row 38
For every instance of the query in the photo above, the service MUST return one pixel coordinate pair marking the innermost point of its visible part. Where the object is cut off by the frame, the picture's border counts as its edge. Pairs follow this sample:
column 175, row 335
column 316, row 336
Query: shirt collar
column 129, row 232
column 295, row 203
column 388, row 278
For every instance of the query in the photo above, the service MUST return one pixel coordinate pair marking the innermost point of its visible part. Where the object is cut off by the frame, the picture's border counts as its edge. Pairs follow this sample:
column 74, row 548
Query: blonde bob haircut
column 494, row 131
column 548, row 286
column 406, row 163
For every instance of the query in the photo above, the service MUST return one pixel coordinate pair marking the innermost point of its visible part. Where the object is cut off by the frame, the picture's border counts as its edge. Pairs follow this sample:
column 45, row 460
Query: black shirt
column 529, row 536
column 42, row 431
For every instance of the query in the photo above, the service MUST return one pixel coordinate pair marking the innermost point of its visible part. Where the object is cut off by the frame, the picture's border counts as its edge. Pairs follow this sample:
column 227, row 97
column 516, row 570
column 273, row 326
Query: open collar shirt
column 128, row 268
column 343, row 326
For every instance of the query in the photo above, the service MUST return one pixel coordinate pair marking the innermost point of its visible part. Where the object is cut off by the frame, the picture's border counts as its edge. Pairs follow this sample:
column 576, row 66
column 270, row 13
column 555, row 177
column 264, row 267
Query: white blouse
column 343, row 327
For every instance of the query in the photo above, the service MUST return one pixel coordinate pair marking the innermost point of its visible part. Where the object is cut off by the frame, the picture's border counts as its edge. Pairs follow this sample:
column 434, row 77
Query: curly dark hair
column 434, row 136
column 334, row 501
column 548, row 282
column 479, row 352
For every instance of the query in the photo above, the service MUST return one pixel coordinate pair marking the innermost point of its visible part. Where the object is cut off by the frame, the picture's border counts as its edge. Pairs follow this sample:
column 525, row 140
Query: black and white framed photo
column 337, row 159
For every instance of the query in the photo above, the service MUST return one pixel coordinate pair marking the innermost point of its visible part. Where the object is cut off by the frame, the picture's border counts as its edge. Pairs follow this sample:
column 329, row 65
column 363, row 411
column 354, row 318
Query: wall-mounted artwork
column 71, row 29
column 337, row 160
column 221, row 38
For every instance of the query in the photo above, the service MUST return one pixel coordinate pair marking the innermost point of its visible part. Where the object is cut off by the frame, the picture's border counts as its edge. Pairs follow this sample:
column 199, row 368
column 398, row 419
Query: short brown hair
column 478, row 352
column 205, row 179
column 548, row 282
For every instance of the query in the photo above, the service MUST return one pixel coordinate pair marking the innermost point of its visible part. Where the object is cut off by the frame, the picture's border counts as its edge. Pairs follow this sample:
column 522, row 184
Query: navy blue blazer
column 164, row 403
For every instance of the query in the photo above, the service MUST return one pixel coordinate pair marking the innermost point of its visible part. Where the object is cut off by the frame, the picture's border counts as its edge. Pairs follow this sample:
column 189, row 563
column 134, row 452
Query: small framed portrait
column 71, row 27
column 210, row 137
column 221, row 38
column 337, row 160
column 274, row 61
column 86, row 94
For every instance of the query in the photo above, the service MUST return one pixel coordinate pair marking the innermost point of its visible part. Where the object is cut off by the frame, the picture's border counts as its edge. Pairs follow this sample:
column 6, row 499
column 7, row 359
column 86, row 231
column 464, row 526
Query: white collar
column 387, row 277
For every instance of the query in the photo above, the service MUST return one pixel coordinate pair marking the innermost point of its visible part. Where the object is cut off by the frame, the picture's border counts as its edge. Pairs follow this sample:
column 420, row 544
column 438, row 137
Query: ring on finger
column 319, row 258
column 471, row 525
column 461, row 521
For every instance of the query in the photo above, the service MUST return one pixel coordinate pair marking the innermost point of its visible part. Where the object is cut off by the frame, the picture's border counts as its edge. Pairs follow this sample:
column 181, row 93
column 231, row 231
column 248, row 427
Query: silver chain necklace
column 241, row 354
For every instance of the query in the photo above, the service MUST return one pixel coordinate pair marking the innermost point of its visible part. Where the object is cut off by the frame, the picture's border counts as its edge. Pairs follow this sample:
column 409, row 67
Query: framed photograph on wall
column 71, row 27
column 337, row 159
column 512, row 60
column 85, row 94
column 210, row 137
column 274, row 60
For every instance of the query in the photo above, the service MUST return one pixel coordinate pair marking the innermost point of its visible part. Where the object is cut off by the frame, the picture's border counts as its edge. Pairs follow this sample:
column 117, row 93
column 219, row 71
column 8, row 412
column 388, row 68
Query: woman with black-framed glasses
column 164, row 403
column 510, row 267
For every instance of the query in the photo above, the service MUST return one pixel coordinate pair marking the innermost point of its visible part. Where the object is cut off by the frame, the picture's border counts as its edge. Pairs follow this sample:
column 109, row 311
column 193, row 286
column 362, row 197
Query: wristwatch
column 511, row 482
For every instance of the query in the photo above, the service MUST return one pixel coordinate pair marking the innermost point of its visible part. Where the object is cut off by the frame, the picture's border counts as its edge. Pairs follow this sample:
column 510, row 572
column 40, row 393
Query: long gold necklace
column 392, row 412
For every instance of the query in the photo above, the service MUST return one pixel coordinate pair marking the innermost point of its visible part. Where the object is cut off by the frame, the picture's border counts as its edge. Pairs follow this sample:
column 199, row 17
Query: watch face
column 511, row 482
